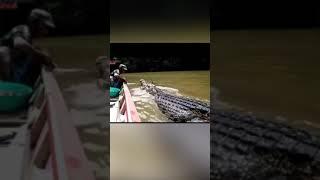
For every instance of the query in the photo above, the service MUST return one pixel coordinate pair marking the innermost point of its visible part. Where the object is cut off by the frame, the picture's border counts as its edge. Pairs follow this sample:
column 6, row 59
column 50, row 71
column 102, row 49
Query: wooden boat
column 122, row 108
column 44, row 144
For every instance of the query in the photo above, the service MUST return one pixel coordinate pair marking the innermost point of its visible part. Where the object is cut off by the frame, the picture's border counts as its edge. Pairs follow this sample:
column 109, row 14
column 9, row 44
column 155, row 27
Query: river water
column 89, row 113
column 273, row 73
column 75, row 57
column 194, row 84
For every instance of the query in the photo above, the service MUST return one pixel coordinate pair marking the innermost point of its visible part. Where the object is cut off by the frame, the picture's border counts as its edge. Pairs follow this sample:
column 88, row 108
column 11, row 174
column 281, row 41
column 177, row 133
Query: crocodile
column 178, row 108
column 247, row 147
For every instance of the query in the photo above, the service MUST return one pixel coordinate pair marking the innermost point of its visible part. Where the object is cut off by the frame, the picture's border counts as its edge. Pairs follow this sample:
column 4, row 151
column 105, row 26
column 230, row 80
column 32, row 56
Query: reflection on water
column 188, row 83
column 272, row 72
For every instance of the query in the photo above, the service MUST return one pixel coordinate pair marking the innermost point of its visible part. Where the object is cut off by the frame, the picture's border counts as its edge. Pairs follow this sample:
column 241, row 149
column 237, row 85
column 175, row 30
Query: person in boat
column 122, row 69
column 117, row 81
column 20, row 59
column 119, row 72
column 103, row 71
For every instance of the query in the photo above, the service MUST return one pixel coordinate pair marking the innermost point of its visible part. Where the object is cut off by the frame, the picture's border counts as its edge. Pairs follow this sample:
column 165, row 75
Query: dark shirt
column 117, row 83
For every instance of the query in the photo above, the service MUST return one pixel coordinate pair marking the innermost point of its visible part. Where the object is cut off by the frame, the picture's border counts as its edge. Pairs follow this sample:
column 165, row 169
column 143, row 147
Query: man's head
column 123, row 68
column 40, row 22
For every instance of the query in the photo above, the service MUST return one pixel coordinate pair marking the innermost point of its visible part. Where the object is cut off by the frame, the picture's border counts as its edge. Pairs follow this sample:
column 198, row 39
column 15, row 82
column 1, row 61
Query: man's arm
column 40, row 56
column 123, row 79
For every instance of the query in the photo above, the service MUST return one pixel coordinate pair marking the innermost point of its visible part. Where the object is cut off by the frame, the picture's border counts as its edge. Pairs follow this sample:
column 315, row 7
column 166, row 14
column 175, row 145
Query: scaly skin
column 178, row 108
column 245, row 147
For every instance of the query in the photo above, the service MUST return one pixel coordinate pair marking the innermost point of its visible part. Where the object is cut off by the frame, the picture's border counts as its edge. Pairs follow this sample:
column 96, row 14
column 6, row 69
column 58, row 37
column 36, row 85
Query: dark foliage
column 234, row 14
column 72, row 17
column 145, row 57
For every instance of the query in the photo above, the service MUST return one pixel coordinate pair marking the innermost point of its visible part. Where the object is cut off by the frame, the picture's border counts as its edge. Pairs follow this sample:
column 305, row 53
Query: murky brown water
column 76, row 76
column 272, row 72
column 195, row 84
column 88, row 110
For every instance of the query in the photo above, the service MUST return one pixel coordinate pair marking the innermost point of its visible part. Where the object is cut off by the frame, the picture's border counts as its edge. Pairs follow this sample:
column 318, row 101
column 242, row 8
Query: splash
column 86, row 108
column 146, row 106
column 170, row 90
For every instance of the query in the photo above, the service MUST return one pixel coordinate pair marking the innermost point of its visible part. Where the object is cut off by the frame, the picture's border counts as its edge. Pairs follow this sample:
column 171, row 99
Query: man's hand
column 122, row 78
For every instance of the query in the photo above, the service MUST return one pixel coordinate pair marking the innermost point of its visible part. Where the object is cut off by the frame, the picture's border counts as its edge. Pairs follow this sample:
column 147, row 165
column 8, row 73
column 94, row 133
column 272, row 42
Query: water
column 76, row 76
column 88, row 110
column 195, row 84
column 274, row 73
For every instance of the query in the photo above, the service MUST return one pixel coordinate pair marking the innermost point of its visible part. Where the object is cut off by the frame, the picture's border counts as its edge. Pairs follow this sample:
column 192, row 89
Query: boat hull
column 122, row 108
column 47, row 145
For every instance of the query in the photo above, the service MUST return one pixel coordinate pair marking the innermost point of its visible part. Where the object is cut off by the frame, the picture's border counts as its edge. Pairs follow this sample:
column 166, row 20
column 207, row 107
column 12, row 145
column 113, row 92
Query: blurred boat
column 41, row 141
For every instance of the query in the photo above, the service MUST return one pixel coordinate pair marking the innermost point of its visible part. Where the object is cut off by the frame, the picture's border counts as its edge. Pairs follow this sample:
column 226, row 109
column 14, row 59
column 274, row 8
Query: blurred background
column 266, row 59
column 81, row 35
column 247, row 14
column 71, row 17
column 265, row 65
column 159, row 151
column 159, row 21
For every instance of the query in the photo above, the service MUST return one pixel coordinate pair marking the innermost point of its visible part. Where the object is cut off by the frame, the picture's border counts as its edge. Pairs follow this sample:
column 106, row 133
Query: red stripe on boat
column 131, row 111
column 68, row 157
